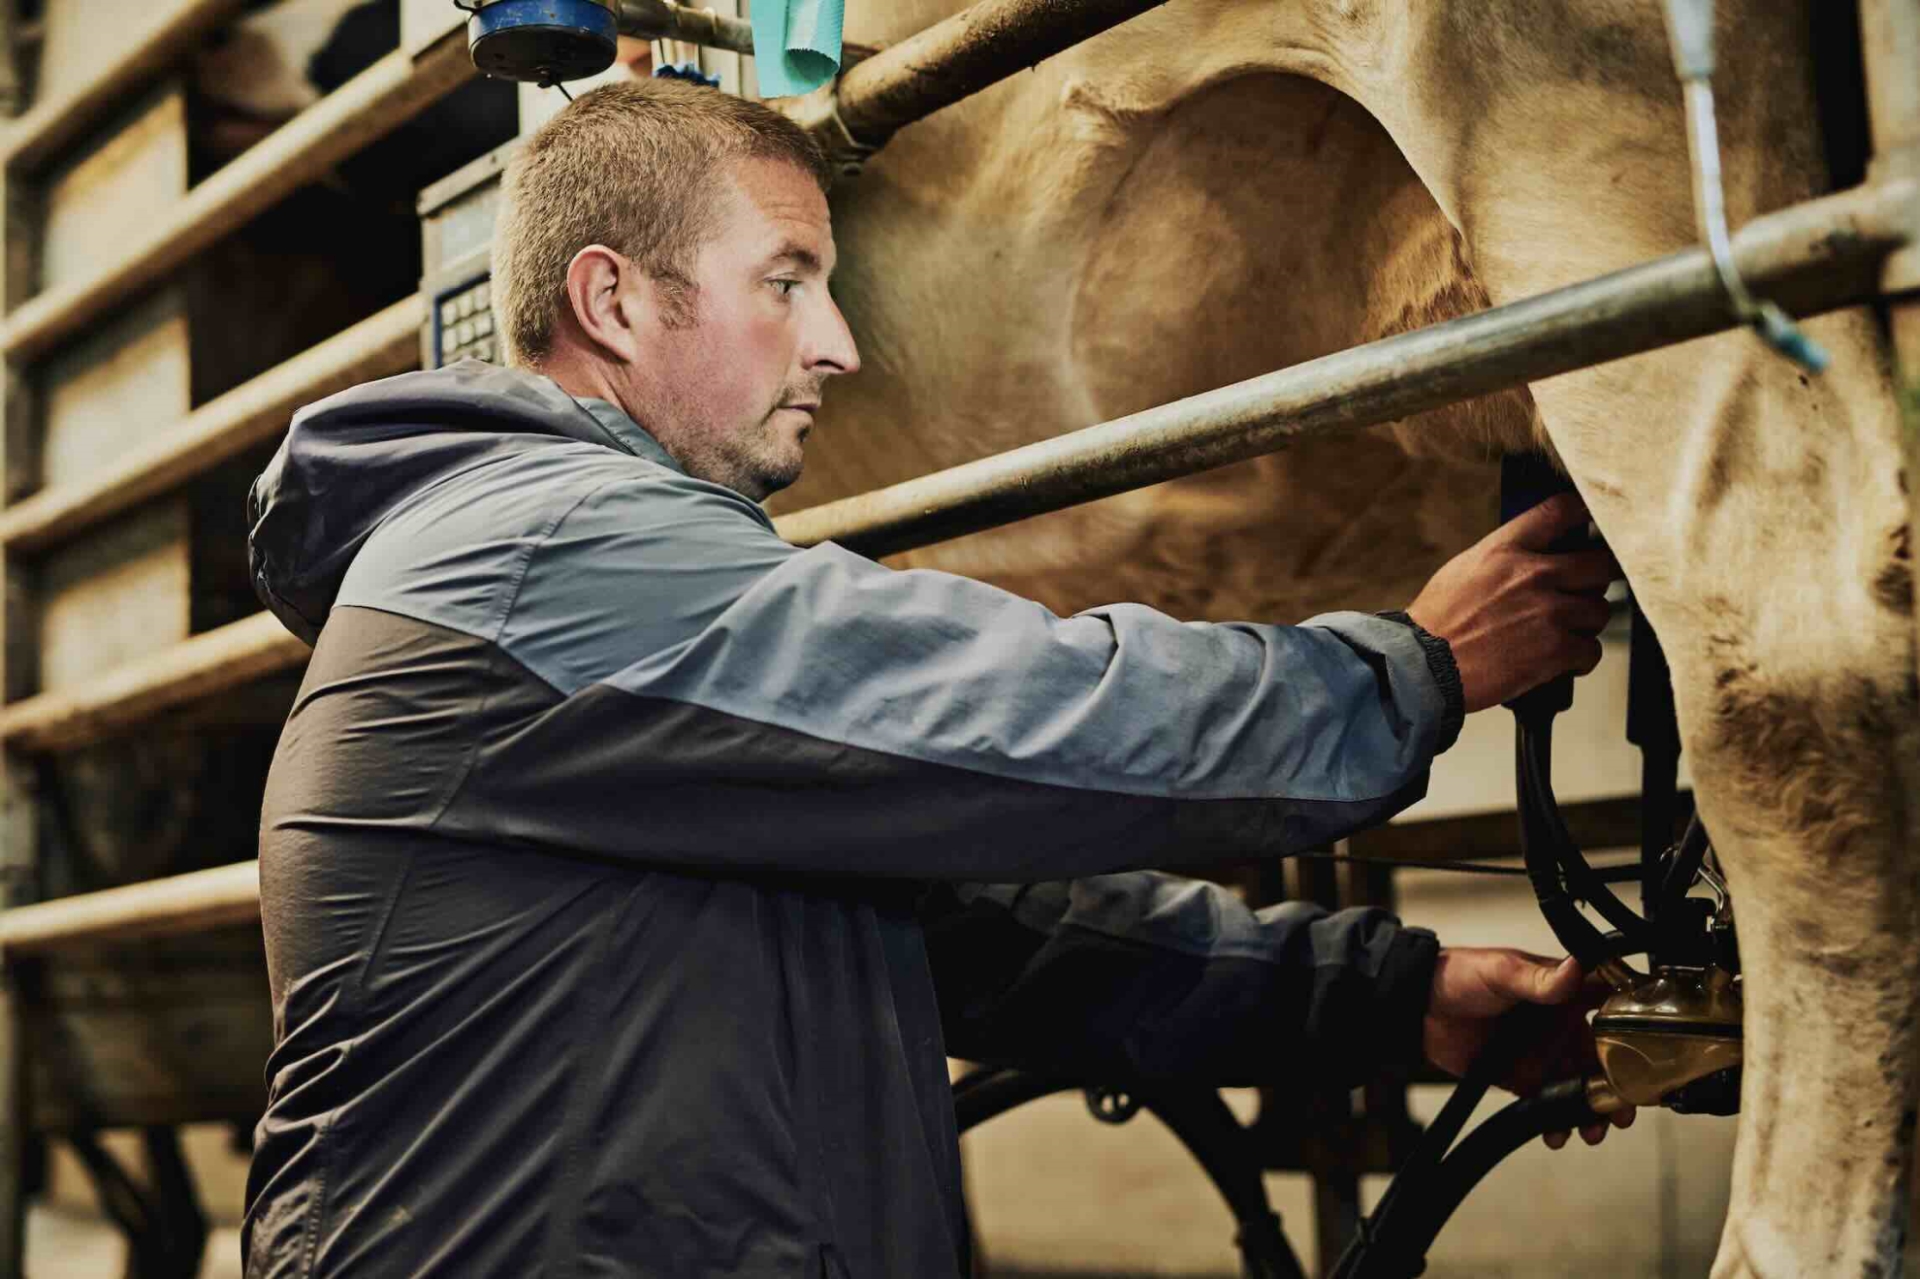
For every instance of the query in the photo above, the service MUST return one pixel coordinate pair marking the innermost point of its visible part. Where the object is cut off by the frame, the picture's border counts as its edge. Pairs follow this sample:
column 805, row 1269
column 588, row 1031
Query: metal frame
column 1847, row 248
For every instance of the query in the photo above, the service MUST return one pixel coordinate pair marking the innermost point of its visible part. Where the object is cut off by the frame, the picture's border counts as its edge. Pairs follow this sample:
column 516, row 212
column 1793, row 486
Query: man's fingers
column 1582, row 614
column 1555, row 1140
column 1541, row 526
column 1594, row 1134
column 1583, row 654
column 1585, row 572
column 1623, row 1117
column 1542, row 981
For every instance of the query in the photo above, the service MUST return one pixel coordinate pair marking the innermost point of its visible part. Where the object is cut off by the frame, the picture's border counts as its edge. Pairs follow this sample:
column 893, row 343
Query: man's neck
column 581, row 378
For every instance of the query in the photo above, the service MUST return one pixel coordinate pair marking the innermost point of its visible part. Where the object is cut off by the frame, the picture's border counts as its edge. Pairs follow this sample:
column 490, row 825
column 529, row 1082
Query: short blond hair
column 633, row 166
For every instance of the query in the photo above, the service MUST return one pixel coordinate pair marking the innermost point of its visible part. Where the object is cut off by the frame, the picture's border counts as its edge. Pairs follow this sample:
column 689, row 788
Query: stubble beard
column 775, row 462
column 756, row 463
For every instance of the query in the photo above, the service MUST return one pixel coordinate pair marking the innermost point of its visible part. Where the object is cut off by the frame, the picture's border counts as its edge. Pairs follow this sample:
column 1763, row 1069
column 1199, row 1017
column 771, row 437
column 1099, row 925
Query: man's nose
column 831, row 347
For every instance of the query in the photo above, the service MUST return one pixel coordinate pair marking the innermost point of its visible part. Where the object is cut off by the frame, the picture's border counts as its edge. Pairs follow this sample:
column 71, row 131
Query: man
column 627, row 873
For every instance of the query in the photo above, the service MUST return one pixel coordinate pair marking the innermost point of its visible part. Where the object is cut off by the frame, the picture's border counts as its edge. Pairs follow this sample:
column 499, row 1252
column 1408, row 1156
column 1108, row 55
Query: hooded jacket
column 627, row 873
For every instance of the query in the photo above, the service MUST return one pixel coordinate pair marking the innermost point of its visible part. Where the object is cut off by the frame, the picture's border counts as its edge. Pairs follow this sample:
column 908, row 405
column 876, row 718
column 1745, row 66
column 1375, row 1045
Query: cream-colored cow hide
column 1221, row 187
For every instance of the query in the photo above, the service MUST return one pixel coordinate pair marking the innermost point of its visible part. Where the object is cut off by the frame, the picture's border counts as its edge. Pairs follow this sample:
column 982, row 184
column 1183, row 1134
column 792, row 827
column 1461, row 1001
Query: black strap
column 1653, row 727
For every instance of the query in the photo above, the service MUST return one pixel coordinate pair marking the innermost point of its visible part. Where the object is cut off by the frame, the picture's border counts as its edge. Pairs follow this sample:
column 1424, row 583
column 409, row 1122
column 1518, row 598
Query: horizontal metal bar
column 363, row 110
column 665, row 20
column 963, row 54
column 195, row 669
column 385, row 343
column 1812, row 257
column 178, row 905
column 51, row 126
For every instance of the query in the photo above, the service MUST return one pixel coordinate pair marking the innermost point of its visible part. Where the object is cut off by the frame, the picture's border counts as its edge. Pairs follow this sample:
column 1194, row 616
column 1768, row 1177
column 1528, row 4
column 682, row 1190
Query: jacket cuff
column 1446, row 675
column 1402, row 991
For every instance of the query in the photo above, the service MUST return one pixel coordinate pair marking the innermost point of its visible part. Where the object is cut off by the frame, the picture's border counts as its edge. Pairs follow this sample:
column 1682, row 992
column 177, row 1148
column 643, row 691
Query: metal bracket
column 819, row 114
column 1690, row 32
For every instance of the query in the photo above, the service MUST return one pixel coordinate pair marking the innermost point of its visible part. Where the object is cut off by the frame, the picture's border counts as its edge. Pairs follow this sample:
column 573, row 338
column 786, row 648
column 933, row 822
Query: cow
column 1219, row 188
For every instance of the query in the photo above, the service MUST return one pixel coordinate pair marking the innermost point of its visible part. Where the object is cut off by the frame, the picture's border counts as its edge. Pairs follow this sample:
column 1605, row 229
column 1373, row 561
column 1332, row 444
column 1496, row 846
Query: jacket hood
column 350, row 459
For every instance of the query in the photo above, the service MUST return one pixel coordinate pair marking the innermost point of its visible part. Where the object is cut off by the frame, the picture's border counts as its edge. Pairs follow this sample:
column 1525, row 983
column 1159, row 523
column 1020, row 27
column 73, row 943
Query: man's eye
column 785, row 286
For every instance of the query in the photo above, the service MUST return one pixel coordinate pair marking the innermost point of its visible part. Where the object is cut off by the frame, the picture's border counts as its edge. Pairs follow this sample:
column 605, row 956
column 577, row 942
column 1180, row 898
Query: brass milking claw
column 1674, row 1041
column 1673, row 1038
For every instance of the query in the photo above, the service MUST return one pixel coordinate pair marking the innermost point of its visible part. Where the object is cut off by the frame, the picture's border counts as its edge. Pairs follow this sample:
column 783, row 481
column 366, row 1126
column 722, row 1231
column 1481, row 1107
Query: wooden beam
column 365, row 109
column 183, row 904
column 385, row 343
column 175, row 906
column 206, row 665
column 51, row 127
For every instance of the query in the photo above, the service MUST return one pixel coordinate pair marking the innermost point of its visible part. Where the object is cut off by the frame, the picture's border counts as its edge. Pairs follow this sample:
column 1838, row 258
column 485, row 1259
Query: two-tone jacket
column 627, row 873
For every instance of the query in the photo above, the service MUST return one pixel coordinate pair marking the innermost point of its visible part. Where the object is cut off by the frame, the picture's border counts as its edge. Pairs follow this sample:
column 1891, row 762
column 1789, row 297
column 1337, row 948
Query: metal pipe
column 365, row 109
column 51, row 126
column 254, row 412
column 1813, row 257
column 963, row 54
column 665, row 20
column 174, row 906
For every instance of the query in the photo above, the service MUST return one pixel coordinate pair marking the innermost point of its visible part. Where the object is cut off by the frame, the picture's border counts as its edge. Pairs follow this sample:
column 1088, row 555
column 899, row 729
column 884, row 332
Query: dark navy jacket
column 627, row 873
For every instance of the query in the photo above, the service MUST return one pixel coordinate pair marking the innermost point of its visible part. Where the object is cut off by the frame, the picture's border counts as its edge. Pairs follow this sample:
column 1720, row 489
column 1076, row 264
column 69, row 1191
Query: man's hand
column 1474, row 986
column 1515, row 615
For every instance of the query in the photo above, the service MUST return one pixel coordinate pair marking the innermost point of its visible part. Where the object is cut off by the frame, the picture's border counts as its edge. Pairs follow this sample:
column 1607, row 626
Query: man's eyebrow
column 798, row 254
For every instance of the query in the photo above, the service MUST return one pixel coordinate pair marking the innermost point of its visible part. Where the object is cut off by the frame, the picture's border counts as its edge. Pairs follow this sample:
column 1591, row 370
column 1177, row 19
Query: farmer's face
column 740, row 360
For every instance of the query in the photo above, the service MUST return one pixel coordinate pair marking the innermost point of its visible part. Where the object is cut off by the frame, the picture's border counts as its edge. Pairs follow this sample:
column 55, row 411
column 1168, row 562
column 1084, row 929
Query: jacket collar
column 626, row 434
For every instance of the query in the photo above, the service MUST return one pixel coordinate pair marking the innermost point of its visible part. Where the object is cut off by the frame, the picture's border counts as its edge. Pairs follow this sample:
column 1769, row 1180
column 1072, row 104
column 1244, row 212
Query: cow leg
column 1773, row 554
column 1762, row 517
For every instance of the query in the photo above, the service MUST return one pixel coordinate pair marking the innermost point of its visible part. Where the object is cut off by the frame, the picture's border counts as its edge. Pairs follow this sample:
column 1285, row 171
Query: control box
column 457, row 214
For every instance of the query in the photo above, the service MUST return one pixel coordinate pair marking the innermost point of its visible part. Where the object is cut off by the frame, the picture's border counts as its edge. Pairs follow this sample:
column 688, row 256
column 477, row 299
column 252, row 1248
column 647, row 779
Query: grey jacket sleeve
column 1145, row 976
column 730, row 700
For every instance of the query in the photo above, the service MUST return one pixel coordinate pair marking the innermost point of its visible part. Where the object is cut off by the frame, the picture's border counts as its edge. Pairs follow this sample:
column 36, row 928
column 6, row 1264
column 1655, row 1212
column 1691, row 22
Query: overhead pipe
column 963, row 54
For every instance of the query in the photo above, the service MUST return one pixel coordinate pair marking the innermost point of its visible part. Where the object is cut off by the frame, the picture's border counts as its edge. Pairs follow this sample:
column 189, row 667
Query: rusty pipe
column 963, row 54
column 665, row 20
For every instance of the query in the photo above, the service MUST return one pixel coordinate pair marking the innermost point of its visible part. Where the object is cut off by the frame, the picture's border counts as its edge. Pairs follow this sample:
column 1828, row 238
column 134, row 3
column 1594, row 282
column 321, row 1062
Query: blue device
column 545, row 42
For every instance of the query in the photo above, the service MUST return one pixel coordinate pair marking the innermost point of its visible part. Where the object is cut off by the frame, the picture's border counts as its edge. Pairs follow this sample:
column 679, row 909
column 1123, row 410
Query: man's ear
column 606, row 303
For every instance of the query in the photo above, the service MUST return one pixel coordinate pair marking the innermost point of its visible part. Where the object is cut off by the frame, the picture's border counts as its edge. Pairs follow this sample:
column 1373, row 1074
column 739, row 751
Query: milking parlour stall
column 1238, row 310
